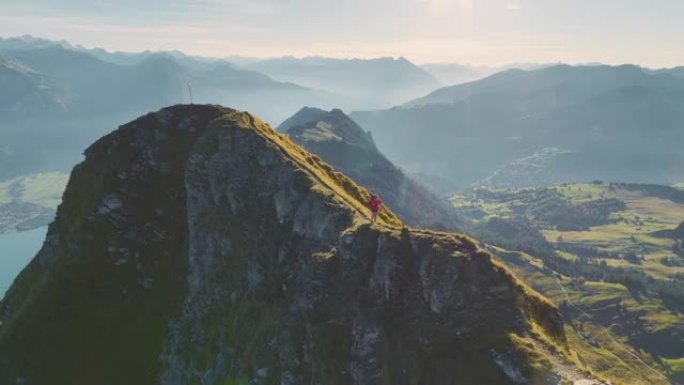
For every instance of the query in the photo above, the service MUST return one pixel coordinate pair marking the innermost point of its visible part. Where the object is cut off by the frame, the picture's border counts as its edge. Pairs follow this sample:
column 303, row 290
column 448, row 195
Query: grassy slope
column 654, row 214
column 342, row 187
column 610, row 305
column 597, row 349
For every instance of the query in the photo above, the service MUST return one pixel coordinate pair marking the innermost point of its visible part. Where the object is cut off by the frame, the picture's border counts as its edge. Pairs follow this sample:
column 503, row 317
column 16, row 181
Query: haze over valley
column 436, row 192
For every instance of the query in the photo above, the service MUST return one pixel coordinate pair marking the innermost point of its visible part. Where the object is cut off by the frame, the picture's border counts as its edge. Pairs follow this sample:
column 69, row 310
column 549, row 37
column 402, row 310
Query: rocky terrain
column 195, row 245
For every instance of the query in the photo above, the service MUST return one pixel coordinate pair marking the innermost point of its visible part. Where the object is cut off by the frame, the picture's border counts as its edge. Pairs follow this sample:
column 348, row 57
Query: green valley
column 609, row 255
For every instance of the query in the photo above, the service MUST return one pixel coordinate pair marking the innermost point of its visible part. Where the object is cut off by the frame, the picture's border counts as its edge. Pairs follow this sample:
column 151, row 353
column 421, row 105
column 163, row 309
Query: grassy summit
column 343, row 188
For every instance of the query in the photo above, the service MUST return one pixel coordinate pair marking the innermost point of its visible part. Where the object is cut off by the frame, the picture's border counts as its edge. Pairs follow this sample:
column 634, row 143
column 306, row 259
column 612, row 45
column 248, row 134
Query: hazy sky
column 648, row 32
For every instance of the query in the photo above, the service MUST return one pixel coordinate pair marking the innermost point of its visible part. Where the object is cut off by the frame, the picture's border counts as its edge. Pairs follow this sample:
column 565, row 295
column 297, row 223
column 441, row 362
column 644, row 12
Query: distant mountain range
column 551, row 125
column 90, row 85
column 676, row 71
column 375, row 83
column 56, row 97
column 320, row 81
column 457, row 73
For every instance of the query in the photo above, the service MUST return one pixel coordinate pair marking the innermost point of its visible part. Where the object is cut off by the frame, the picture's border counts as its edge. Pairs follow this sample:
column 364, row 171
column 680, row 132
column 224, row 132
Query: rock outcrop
column 196, row 245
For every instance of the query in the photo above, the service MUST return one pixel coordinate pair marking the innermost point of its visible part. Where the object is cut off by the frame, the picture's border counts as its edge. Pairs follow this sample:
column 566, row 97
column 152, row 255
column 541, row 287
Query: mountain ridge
column 338, row 140
column 224, row 252
column 597, row 119
column 376, row 82
column 550, row 76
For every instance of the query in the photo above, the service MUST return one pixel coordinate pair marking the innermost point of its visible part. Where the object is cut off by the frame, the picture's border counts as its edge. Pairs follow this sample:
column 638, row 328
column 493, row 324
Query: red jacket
column 374, row 204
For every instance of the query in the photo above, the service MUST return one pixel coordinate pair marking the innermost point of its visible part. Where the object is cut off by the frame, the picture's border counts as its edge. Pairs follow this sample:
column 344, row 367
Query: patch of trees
column 671, row 292
column 678, row 248
column 585, row 252
column 502, row 195
column 551, row 209
column 673, row 261
column 520, row 235
column 513, row 234
column 566, row 216
column 633, row 258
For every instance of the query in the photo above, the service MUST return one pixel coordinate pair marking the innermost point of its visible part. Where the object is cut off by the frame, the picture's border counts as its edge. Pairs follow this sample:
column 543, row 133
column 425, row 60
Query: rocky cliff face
column 339, row 141
column 197, row 246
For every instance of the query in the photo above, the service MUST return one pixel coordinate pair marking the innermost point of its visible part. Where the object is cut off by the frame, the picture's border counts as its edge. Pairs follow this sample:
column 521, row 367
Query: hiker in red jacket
column 374, row 204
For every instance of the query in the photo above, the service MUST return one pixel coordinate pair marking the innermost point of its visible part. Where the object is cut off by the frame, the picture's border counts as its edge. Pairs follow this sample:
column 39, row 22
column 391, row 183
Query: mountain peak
column 303, row 116
column 230, row 120
column 317, row 125
column 160, row 61
column 224, row 253
column 337, row 139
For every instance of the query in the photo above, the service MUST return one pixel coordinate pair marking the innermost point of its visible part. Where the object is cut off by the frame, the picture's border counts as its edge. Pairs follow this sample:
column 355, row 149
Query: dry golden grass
column 342, row 187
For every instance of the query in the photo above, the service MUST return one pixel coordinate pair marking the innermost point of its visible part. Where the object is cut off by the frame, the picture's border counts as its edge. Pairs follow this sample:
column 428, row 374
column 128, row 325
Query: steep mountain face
column 551, row 125
column 374, row 83
column 197, row 245
column 339, row 141
column 157, row 80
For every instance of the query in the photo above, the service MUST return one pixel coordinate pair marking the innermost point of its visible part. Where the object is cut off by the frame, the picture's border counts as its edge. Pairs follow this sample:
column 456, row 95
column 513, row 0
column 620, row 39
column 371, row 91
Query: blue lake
column 16, row 250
